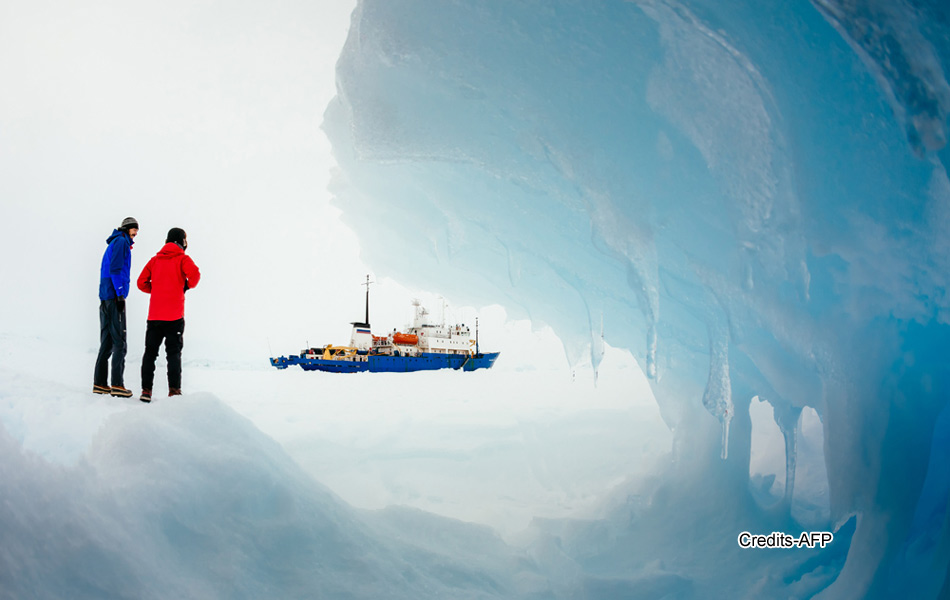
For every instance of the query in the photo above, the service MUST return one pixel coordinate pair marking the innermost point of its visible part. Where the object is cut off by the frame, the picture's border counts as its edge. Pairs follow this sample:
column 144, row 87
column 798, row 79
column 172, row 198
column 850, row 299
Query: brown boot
column 174, row 392
column 121, row 392
column 146, row 396
column 101, row 389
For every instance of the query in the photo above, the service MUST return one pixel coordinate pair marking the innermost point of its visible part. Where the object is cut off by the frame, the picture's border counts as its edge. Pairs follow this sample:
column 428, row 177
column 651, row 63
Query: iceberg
column 752, row 199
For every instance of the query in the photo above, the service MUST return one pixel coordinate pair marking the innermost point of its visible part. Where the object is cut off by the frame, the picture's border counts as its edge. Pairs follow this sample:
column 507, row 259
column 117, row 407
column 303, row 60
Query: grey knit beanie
column 129, row 223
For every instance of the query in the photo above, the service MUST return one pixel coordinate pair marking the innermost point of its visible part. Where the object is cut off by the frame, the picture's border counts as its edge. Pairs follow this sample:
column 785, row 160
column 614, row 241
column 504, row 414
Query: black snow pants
column 172, row 332
column 111, row 343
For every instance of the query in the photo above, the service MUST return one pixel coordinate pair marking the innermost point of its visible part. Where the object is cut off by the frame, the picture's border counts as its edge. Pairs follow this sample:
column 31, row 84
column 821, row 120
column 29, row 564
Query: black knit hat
column 129, row 223
column 176, row 235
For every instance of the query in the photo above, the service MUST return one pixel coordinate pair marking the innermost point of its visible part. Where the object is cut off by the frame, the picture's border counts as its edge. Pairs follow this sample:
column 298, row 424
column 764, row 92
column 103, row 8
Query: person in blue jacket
column 114, row 280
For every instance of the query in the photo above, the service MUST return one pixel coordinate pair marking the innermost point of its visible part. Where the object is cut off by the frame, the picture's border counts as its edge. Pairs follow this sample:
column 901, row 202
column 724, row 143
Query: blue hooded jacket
column 116, row 267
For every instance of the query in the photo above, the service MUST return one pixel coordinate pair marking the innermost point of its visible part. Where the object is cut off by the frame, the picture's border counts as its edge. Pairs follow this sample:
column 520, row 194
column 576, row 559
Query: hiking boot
column 101, row 389
column 174, row 392
column 146, row 396
column 121, row 392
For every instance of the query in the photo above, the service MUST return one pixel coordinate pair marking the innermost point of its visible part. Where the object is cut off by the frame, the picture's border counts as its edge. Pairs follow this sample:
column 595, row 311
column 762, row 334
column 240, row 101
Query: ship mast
column 367, row 300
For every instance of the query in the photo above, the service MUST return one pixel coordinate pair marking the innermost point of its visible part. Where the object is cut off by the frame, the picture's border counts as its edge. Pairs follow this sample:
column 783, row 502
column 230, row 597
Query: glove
column 120, row 303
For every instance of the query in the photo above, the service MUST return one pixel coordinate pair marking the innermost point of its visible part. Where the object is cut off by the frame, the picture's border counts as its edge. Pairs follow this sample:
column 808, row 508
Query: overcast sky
column 185, row 113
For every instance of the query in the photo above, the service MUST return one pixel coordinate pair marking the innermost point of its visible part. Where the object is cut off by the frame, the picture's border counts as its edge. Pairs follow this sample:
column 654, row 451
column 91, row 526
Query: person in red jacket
column 167, row 276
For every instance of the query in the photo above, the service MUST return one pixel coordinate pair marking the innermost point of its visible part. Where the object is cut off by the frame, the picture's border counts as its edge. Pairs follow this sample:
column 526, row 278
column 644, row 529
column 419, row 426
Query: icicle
column 788, row 419
column 597, row 348
column 806, row 280
column 648, row 298
column 514, row 266
column 726, row 420
column 651, row 352
column 717, row 398
column 633, row 240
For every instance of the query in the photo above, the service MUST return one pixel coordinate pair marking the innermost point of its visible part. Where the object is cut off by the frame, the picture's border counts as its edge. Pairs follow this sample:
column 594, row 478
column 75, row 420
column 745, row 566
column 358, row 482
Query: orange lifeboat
column 409, row 339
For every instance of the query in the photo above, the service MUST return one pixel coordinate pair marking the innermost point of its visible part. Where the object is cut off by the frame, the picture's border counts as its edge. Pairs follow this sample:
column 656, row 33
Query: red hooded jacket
column 166, row 277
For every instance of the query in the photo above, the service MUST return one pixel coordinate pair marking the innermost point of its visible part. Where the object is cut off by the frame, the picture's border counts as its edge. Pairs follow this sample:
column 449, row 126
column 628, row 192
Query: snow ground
column 497, row 447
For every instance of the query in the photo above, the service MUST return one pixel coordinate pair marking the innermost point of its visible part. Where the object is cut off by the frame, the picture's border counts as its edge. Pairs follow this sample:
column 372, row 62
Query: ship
column 423, row 346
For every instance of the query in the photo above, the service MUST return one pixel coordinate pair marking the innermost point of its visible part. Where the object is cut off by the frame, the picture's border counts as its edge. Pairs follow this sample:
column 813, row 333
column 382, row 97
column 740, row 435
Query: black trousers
column 111, row 343
column 173, row 334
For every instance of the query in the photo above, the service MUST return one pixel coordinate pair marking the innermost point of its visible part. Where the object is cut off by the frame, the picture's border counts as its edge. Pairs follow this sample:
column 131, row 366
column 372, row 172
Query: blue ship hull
column 381, row 363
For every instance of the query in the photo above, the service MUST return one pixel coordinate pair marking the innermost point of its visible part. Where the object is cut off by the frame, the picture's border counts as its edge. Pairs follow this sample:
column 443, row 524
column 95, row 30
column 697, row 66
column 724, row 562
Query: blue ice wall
column 751, row 196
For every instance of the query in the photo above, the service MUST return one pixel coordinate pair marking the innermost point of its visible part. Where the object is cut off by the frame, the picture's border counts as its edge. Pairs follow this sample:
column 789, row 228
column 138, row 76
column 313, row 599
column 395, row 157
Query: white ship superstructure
column 424, row 337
